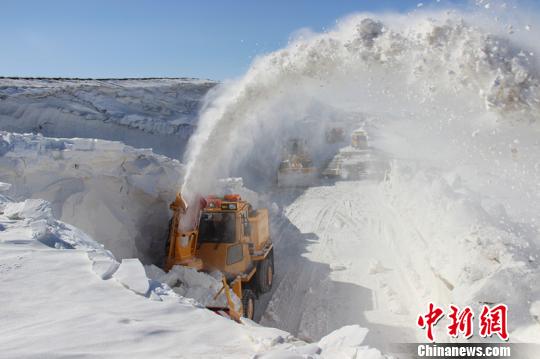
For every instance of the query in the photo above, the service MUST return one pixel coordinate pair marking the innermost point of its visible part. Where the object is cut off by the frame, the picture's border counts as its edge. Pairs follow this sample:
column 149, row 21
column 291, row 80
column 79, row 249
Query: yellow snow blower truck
column 296, row 169
column 231, row 237
column 359, row 139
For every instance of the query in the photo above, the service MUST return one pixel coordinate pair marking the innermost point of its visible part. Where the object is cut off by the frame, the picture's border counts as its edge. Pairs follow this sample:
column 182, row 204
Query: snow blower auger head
column 181, row 243
column 229, row 236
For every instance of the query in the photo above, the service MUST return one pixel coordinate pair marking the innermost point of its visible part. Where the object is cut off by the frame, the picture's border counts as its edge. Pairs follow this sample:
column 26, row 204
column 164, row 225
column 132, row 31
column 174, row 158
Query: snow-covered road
column 348, row 268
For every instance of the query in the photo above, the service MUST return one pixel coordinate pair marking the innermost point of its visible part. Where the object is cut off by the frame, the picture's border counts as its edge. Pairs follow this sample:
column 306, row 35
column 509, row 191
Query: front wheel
column 265, row 274
column 248, row 303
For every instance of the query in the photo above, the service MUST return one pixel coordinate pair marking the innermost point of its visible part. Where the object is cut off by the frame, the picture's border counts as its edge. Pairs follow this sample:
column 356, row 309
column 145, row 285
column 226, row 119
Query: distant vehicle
column 352, row 162
column 335, row 135
column 359, row 140
column 296, row 169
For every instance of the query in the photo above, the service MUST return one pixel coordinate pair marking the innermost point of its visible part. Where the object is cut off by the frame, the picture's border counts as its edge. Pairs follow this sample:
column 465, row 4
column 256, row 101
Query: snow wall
column 115, row 193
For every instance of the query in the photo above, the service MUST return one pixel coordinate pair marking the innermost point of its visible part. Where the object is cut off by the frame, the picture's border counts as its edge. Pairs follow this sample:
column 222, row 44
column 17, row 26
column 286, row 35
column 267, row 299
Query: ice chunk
column 104, row 265
column 13, row 210
column 131, row 274
column 30, row 208
column 202, row 287
column 38, row 228
column 154, row 272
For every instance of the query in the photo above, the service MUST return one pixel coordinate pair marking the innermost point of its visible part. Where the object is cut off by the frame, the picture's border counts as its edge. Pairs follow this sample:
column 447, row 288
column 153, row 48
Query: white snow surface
column 54, row 305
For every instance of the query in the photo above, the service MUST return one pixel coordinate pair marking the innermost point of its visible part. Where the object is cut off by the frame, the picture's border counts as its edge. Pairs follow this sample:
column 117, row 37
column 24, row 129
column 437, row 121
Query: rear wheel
column 248, row 303
column 265, row 274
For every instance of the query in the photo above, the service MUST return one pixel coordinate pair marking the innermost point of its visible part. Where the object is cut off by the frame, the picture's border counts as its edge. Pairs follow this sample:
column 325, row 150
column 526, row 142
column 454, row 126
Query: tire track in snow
column 328, row 281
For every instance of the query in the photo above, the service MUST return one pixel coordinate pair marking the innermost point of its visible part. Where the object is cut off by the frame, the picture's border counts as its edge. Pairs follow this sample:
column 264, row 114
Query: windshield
column 294, row 147
column 217, row 228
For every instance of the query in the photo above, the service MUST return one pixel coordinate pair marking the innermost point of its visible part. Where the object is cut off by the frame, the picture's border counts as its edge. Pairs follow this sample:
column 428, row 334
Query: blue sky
column 121, row 38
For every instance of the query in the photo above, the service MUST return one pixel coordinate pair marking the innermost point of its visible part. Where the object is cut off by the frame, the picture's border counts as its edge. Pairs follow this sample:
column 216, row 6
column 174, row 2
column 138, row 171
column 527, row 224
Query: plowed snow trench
column 347, row 270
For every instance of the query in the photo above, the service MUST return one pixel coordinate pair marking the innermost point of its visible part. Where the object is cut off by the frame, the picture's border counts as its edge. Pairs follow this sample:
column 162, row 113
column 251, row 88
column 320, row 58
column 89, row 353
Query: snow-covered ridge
column 152, row 113
column 461, row 246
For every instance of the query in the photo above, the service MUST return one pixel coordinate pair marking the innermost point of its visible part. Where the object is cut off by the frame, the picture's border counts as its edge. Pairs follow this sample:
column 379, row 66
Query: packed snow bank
column 132, row 275
column 148, row 113
column 346, row 342
column 463, row 247
column 34, row 218
column 55, row 305
column 116, row 194
column 32, row 223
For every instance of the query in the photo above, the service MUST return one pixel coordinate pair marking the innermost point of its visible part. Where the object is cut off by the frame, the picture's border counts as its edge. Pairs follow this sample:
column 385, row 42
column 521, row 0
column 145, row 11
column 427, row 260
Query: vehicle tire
column 248, row 303
column 265, row 274
column 168, row 239
column 167, row 245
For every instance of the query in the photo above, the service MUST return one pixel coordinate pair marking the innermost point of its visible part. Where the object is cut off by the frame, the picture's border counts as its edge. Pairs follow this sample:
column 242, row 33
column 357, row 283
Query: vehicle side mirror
column 247, row 228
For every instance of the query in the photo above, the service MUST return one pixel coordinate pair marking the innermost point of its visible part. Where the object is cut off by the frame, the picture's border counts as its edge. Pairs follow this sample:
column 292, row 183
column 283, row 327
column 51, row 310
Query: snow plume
column 432, row 67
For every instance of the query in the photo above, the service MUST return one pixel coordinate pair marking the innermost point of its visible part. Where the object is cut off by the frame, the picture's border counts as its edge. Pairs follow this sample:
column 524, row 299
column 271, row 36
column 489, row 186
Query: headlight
column 228, row 206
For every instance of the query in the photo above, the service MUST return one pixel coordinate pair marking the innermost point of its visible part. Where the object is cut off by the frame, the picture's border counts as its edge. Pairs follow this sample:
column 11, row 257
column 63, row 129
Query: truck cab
column 232, row 236
column 359, row 139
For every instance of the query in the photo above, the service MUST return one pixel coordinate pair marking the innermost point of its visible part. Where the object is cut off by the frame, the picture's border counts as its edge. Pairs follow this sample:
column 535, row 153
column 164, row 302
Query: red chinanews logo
column 492, row 321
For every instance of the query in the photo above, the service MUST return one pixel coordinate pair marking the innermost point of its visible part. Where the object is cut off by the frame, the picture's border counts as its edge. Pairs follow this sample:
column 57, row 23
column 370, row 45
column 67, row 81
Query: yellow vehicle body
column 359, row 140
column 231, row 237
column 296, row 168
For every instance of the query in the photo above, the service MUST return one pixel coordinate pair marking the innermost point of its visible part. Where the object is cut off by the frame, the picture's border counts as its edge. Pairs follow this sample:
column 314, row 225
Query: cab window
column 217, row 228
